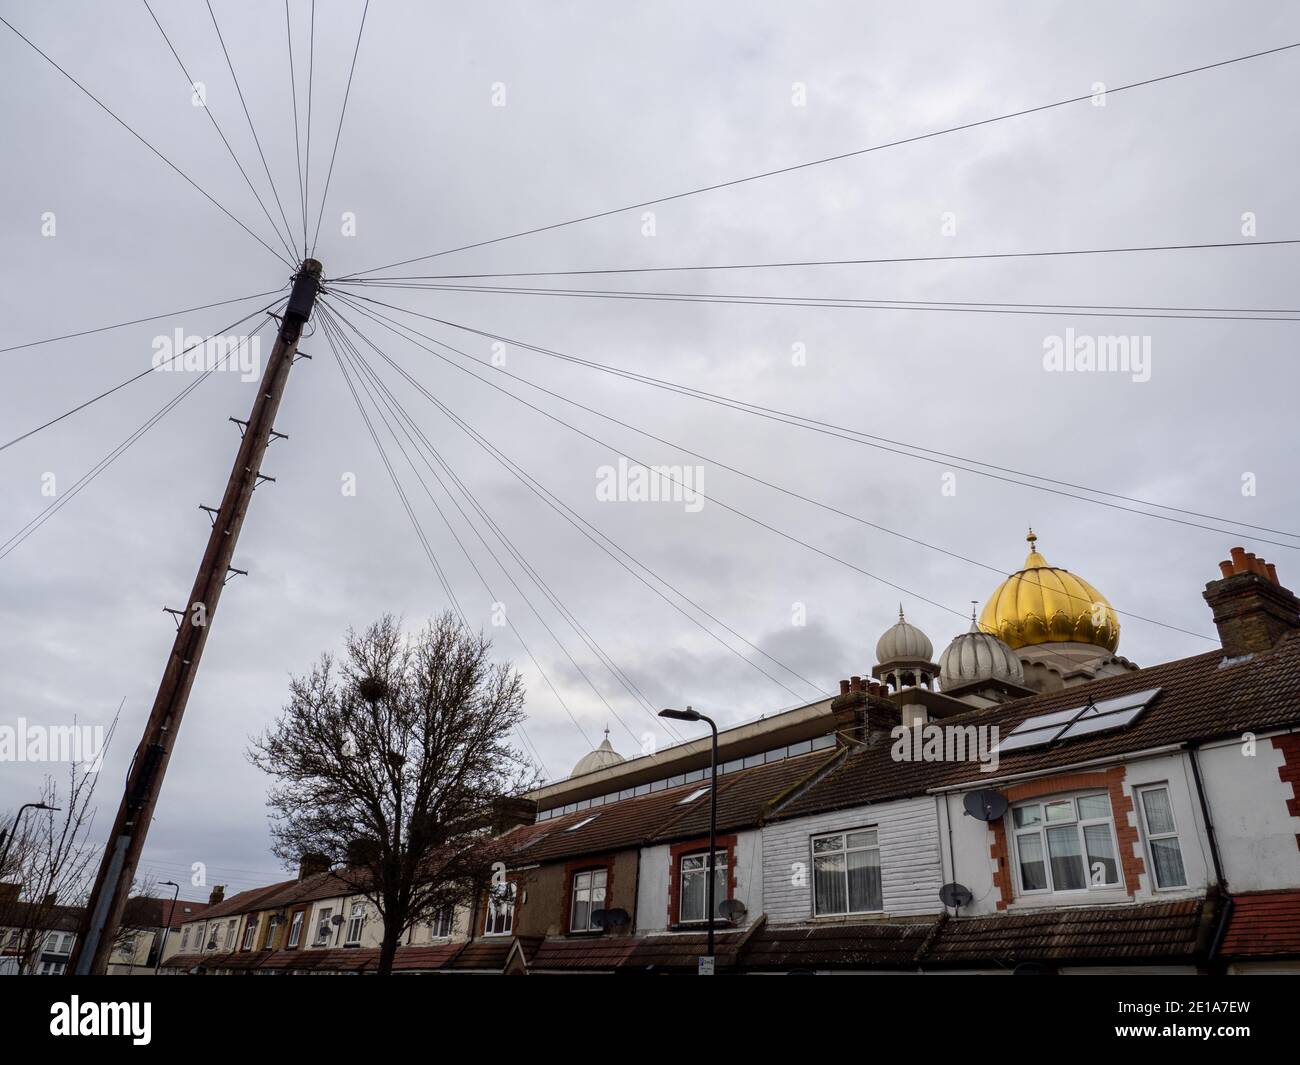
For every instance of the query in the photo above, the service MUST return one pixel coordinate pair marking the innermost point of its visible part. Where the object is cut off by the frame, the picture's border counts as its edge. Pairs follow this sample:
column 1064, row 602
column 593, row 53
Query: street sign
column 706, row 967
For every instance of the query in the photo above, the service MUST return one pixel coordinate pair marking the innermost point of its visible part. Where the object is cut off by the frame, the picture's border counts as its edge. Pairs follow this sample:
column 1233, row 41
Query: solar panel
column 1105, row 716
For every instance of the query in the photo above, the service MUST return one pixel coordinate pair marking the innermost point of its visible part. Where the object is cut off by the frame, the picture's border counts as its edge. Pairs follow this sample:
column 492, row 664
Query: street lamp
column 13, row 829
column 694, row 715
column 167, row 928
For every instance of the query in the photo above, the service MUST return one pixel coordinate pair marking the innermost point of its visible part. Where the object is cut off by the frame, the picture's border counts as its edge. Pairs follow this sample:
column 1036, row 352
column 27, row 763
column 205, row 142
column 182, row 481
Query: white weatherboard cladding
column 910, row 873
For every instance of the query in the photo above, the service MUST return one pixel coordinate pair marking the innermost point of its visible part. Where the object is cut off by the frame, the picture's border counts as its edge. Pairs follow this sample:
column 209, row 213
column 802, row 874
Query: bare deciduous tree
column 389, row 762
column 51, row 864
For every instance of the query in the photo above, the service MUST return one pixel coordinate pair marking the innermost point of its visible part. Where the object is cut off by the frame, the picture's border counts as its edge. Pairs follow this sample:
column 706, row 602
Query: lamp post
column 694, row 715
column 167, row 928
column 13, row 829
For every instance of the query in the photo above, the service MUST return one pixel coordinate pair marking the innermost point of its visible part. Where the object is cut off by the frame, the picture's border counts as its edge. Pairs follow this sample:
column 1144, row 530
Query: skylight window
column 584, row 821
column 1105, row 716
column 693, row 795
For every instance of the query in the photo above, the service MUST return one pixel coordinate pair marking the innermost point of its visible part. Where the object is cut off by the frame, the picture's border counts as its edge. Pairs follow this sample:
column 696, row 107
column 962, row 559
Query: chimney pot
column 1252, row 611
column 1225, row 568
column 855, row 684
column 844, row 687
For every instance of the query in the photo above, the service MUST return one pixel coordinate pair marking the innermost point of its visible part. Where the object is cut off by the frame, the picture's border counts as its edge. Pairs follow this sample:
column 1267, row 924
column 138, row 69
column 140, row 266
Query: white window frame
column 443, row 923
column 844, row 850
column 585, row 880
column 185, row 938
column 250, row 934
column 357, row 918
column 231, row 928
column 323, row 925
column 720, row 865
column 294, row 937
column 499, row 913
column 1150, row 836
column 1040, row 829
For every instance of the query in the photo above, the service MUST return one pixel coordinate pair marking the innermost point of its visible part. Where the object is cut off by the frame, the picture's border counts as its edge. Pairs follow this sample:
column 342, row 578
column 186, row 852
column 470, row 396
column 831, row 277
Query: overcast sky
column 607, row 105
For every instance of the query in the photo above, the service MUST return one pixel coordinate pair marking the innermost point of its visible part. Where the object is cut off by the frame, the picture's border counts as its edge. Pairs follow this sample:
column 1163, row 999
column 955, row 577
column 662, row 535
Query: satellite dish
column 733, row 910
column 615, row 918
column 955, row 895
column 337, row 919
column 985, row 805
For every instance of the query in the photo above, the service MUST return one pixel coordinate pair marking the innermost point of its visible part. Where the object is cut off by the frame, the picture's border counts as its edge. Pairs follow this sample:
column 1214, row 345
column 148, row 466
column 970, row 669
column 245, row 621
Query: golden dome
column 1047, row 604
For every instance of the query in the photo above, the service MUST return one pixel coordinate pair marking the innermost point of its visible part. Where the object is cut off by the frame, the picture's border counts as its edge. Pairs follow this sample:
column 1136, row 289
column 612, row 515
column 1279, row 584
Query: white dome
column 903, row 643
column 975, row 656
column 602, row 757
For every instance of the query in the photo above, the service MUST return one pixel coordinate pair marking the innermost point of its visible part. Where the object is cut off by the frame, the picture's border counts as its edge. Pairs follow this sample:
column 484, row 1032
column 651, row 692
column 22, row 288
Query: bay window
column 695, row 885
column 1066, row 844
column 846, row 873
column 1162, row 837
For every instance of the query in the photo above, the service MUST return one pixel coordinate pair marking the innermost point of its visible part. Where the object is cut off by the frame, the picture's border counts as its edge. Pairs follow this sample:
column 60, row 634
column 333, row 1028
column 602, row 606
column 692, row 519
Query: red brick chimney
column 312, row 863
column 1252, row 611
column 512, row 812
column 218, row 893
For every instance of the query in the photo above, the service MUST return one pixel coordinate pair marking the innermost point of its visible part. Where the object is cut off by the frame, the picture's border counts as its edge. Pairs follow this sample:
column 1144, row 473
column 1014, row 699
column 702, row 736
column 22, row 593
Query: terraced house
column 1031, row 802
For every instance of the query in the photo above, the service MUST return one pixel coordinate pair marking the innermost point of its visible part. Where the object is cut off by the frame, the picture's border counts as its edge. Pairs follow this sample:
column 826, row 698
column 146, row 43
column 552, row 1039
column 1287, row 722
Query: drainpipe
column 1225, row 914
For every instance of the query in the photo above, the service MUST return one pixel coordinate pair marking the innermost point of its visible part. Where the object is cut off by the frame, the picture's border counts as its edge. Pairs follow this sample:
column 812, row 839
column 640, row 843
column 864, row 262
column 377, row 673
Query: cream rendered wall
column 1248, row 802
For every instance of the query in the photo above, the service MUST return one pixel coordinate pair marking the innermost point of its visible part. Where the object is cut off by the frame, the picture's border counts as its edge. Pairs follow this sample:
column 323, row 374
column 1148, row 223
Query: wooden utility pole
column 103, row 913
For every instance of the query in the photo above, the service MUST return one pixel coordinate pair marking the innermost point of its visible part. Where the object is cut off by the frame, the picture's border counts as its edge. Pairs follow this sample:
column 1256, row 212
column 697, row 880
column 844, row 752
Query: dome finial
column 900, row 611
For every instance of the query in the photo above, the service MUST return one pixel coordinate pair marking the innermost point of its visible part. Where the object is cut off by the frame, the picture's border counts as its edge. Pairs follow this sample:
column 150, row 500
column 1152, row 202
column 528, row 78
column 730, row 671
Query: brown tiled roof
column 586, row 954
column 628, row 823
column 863, row 945
column 1165, row 931
column 144, row 911
column 409, row 959
column 745, row 796
column 489, row 953
column 245, row 901
column 310, row 889
column 1200, row 699
column 33, row 914
column 681, row 951
column 1264, row 924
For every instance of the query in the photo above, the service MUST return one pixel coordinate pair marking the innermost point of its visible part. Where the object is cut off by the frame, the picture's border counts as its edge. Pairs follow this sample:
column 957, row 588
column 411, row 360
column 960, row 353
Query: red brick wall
column 1290, row 771
column 675, row 853
column 1121, row 805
